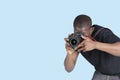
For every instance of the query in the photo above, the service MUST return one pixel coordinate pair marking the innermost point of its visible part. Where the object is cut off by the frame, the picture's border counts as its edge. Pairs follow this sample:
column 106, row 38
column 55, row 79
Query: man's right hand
column 69, row 49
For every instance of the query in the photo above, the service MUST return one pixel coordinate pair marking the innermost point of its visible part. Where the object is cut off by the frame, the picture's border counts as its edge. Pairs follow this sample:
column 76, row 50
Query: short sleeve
column 109, row 36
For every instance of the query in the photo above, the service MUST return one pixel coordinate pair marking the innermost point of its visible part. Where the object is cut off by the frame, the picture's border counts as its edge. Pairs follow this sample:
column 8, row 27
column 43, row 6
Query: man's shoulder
column 101, row 32
column 106, row 35
column 97, row 26
column 101, row 28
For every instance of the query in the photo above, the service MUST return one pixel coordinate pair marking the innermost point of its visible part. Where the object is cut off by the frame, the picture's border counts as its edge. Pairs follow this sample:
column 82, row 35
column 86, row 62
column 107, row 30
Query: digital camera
column 75, row 39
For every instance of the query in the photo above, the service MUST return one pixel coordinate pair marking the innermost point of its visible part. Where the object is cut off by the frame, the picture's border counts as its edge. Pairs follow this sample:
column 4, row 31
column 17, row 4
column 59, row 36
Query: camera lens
column 75, row 39
column 73, row 42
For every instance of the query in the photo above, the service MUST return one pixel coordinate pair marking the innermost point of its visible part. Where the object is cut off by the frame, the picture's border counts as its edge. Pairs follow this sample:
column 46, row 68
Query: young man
column 103, row 52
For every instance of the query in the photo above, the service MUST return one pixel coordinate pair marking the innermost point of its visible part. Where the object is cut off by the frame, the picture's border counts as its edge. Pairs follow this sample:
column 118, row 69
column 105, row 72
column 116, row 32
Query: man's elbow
column 68, row 69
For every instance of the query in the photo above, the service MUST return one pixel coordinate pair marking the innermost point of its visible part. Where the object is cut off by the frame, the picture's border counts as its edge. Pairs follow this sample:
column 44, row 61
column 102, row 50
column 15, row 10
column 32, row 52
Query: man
column 103, row 52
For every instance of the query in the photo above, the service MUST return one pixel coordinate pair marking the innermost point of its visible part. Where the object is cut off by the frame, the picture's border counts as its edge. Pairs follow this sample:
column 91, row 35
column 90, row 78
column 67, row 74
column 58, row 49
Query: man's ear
column 93, row 28
column 91, row 31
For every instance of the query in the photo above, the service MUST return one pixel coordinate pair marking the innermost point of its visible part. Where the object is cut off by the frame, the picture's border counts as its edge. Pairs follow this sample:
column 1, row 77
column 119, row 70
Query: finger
column 80, row 45
column 67, row 45
column 66, row 39
column 81, row 49
column 87, row 38
column 68, row 48
column 84, row 37
column 85, row 49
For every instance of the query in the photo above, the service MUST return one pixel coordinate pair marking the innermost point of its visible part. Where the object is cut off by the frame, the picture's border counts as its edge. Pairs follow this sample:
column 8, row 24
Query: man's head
column 83, row 23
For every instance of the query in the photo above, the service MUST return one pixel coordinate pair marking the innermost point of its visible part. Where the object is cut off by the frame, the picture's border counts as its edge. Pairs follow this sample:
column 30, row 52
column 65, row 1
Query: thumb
column 84, row 37
column 87, row 38
column 66, row 39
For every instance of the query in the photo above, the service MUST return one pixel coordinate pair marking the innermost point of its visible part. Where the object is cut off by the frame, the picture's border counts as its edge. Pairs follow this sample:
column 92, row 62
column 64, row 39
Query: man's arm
column 113, row 48
column 71, row 57
column 70, row 61
column 111, row 43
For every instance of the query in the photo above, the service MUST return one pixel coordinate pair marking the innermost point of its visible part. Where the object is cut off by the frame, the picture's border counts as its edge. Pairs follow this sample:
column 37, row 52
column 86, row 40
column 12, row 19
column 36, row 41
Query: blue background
column 32, row 36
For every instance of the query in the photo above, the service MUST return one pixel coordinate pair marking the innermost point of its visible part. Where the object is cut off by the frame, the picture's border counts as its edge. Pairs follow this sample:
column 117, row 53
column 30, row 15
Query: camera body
column 75, row 39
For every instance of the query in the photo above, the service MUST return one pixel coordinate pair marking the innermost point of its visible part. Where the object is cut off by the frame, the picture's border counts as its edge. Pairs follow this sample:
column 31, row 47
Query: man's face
column 87, row 31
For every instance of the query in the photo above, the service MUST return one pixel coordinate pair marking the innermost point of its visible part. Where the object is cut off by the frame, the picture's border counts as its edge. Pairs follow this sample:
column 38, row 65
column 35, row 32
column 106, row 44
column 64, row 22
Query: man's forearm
column 113, row 48
column 70, row 61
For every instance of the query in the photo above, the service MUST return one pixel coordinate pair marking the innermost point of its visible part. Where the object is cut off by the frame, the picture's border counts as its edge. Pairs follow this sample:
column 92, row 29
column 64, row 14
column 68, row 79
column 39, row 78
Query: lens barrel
column 75, row 39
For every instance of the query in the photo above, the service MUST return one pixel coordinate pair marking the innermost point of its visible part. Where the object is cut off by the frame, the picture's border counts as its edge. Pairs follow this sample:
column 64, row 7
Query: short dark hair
column 82, row 20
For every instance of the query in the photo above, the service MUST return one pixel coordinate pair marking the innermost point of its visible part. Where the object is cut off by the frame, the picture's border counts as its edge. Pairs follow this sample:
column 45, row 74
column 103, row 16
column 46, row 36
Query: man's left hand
column 87, row 44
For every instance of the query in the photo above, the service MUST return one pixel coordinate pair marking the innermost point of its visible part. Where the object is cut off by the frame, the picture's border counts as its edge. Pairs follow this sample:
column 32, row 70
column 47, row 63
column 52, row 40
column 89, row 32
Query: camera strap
column 98, row 32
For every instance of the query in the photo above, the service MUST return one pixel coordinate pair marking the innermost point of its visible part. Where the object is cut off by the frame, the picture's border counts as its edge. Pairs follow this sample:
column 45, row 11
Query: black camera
column 75, row 39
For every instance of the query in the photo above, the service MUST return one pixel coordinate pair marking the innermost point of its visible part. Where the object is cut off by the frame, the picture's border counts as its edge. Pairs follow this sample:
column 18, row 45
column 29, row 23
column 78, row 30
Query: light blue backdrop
column 32, row 36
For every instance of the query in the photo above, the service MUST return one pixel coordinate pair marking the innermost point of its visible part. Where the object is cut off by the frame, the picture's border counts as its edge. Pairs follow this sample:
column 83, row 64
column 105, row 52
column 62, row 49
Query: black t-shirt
column 102, row 61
